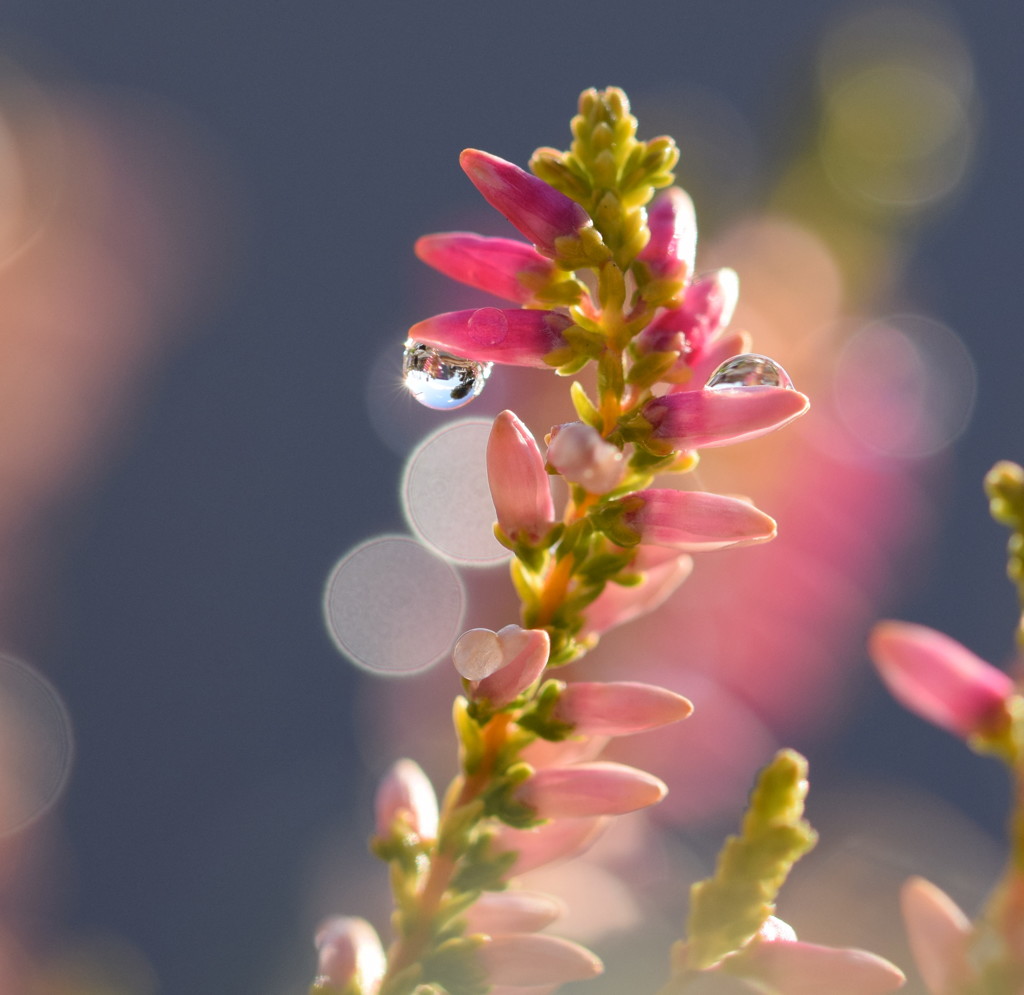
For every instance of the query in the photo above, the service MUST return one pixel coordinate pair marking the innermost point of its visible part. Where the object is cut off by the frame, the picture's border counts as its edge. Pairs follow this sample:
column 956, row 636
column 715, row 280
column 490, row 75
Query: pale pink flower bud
column 520, row 488
column 786, row 966
column 497, row 912
column 542, row 213
column 406, row 794
column 619, row 708
column 525, row 960
column 562, row 752
column 522, row 656
column 694, row 521
column 555, row 840
column 941, row 680
column 499, row 266
column 514, row 336
column 673, row 244
column 599, row 788
column 617, row 604
column 700, row 419
column 520, row 990
column 582, row 456
column 351, row 957
column 939, row 935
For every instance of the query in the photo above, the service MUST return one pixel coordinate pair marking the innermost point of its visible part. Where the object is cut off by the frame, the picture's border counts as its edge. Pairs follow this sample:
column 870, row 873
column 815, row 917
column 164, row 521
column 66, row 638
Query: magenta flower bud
column 782, row 964
column 673, row 244
column 619, row 708
column 405, row 795
column 616, row 604
column 939, row 935
column 941, row 680
column 495, row 265
column 701, row 419
column 497, row 912
column 520, row 488
column 694, row 521
column 524, row 960
column 708, row 306
column 516, row 336
column 581, row 455
column 599, row 788
column 555, row 840
column 704, row 363
column 351, row 957
column 518, row 657
column 539, row 211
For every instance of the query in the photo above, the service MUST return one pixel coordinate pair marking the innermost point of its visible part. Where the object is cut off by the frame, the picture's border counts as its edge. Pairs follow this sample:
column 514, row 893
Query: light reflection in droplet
column 445, row 496
column 439, row 380
column 393, row 607
column 749, row 370
column 905, row 386
column 36, row 746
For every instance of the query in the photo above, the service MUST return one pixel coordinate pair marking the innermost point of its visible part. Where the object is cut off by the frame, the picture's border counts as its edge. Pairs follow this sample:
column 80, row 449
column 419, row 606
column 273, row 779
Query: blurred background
column 206, row 219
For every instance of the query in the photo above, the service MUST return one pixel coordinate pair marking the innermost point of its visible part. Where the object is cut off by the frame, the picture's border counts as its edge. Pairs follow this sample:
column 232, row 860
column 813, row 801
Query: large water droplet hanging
column 749, row 370
column 439, row 380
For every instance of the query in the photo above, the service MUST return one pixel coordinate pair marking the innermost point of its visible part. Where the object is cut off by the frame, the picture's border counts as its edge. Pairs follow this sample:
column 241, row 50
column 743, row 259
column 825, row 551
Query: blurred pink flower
column 939, row 935
column 405, row 794
column 524, row 960
column 589, row 789
column 619, row 708
column 351, row 957
column 513, row 911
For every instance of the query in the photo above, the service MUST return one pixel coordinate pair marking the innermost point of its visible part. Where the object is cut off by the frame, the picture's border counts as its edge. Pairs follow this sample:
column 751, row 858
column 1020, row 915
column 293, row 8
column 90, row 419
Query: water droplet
column 439, row 380
column 749, row 370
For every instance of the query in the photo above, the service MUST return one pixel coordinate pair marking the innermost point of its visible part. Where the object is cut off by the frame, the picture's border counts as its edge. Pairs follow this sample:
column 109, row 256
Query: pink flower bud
column 555, row 840
column 599, row 788
column 786, row 966
column 522, row 655
column 520, row 488
column 939, row 935
column 351, row 957
column 516, row 336
column 941, row 680
column 497, row 912
column 619, row 708
column 406, row 794
column 524, row 960
column 673, row 244
column 700, row 419
column 616, row 604
column 495, row 265
column 695, row 521
column 581, row 455
column 539, row 211
column 704, row 363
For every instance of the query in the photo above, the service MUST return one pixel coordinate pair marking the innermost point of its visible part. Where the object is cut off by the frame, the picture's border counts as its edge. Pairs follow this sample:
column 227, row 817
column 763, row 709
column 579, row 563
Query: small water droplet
column 439, row 380
column 749, row 370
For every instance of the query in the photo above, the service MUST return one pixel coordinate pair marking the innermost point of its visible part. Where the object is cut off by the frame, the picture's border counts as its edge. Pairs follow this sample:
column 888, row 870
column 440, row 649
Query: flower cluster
column 606, row 280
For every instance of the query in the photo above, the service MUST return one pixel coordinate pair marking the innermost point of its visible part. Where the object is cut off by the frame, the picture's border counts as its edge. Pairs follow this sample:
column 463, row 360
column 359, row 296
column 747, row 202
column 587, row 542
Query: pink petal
column 708, row 359
column 616, row 604
column 939, row 935
column 495, row 265
column 619, row 708
column 795, row 968
column 498, row 912
column 525, row 960
column 673, row 244
column 520, row 486
column 599, row 788
column 406, row 793
column 544, row 844
column 542, row 213
column 516, row 336
column 695, row 521
column 700, row 419
column 525, row 652
column 941, row 680
column 350, row 953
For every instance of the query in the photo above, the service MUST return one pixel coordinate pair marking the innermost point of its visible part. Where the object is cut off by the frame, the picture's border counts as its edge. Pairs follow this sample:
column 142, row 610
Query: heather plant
column 605, row 293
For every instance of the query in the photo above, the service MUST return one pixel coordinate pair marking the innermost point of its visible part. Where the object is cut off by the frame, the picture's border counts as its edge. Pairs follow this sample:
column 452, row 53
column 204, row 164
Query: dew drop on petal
column 393, row 607
column 488, row 326
column 35, row 745
column 445, row 496
column 439, row 380
column 478, row 654
column 749, row 370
